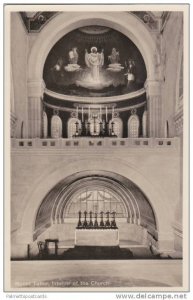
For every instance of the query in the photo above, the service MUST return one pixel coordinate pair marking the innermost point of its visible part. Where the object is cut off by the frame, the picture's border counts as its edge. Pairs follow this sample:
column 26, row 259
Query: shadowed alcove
column 57, row 216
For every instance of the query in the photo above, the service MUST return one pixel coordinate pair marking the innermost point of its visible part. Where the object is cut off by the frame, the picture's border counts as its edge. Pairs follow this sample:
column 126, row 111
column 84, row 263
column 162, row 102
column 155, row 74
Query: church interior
column 97, row 139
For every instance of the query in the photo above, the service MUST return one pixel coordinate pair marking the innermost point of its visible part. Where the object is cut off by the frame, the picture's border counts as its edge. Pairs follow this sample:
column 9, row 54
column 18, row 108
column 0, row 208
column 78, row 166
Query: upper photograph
column 96, row 106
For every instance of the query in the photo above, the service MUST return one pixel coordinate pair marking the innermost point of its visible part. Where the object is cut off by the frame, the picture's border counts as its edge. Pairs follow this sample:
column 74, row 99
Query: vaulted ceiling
column 53, row 205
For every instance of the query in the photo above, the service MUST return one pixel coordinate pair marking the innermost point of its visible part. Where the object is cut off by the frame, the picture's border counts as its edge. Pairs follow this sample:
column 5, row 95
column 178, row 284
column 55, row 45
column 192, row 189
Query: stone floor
column 95, row 274
column 93, row 252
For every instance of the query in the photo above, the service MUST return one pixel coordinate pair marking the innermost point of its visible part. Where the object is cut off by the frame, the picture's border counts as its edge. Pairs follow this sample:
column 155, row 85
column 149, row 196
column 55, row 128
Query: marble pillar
column 35, row 94
column 13, row 118
column 153, row 92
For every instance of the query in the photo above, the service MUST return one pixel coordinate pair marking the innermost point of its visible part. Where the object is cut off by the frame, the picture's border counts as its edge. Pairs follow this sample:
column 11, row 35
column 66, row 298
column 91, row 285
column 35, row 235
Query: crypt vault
column 95, row 193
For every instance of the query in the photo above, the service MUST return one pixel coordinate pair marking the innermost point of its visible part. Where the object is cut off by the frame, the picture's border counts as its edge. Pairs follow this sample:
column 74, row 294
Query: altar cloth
column 96, row 237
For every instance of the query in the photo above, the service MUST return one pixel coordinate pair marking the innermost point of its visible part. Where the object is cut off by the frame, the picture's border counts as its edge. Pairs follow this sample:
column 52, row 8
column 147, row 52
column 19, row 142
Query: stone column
column 35, row 93
column 13, row 118
column 153, row 92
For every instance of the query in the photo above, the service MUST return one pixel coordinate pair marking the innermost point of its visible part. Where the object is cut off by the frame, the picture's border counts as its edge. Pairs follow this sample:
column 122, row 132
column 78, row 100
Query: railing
column 38, row 143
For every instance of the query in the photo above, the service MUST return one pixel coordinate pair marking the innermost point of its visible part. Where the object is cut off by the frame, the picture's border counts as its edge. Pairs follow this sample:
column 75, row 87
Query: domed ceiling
column 94, row 61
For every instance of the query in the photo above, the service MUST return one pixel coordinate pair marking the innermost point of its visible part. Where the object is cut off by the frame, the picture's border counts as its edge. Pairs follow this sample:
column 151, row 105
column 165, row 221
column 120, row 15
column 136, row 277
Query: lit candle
column 77, row 111
column 82, row 115
column 89, row 112
column 106, row 113
column 112, row 112
column 100, row 111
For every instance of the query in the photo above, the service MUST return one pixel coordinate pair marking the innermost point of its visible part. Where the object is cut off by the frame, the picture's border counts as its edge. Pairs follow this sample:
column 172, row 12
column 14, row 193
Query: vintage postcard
column 96, row 115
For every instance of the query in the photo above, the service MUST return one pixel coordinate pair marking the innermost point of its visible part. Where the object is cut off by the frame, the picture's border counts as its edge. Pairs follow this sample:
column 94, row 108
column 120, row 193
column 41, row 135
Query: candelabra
column 77, row 129
column 79, row 220
column 85, row 220
column 95, row 221
column 113, row 222
column 102, row 222
column 91, row 222
column 100, row 225
column 97, row 119
column 107, row 223
column 112, row 126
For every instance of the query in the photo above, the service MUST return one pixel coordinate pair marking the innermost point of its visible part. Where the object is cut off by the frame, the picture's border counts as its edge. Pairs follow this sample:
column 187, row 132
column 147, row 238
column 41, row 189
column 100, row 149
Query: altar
column 96, row 232
column 97, row 237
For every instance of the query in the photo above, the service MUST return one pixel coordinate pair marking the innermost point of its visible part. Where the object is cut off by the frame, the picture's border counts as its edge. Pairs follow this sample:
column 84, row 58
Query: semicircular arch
column 64, row 23
column 44, row 184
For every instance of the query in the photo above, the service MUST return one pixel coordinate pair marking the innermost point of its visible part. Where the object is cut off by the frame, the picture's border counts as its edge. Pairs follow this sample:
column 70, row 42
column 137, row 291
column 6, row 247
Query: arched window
column 133, row 126
column 72, row 127
column 117, row 127
column 95, row 200
column 56, row 127
column 144, row 123
column 45, row 125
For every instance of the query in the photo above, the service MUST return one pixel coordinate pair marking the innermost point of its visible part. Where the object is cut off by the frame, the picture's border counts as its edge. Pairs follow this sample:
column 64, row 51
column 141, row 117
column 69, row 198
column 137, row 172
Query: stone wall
column 170, row 63
column 172, row 51
column 19, row 53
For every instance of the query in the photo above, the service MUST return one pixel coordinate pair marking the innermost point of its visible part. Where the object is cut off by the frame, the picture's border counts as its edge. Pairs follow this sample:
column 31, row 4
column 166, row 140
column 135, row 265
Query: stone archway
column 95, row 192
column 124, row 22
column 43, row 185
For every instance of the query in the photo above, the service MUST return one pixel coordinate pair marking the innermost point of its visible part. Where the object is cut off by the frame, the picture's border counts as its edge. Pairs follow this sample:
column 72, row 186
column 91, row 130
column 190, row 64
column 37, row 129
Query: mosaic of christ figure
column 94, row 61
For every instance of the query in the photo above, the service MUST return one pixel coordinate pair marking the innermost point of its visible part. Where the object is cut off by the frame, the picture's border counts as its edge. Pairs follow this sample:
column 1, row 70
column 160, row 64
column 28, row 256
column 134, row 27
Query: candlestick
column 95, row 222
column 102, row 222
column 85, row 221
column 89, row 112
column 107, row 224
column 77, row 111
column 91, row 222
column 100, row 112
column 79, row 221
column 112, row 112
column 106, row 113
column 77, row 133
column 82, row 115
column 113, row 222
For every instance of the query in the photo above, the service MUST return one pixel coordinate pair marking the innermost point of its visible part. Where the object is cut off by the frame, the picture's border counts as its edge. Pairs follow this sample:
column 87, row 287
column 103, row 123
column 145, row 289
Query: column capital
column 153, row 87
column 35, row 88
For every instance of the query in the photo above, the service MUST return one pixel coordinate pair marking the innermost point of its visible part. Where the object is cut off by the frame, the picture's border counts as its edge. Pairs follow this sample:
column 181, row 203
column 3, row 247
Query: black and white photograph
column 96, row 101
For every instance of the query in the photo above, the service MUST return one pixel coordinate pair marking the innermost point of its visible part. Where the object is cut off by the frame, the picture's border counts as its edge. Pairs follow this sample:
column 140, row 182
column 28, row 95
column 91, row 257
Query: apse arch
column 52, row 176
column 64, row 23
column 126, row 193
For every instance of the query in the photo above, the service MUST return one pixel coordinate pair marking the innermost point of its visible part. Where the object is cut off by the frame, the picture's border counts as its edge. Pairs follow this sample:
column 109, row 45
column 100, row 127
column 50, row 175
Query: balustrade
column 94, row 142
